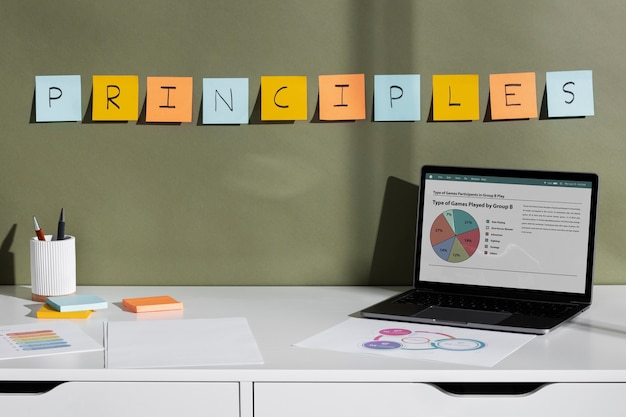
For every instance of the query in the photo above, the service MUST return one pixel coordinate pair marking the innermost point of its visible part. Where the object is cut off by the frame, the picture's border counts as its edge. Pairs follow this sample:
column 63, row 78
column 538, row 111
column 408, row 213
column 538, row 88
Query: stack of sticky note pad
column 71, row 306
column 149, row 304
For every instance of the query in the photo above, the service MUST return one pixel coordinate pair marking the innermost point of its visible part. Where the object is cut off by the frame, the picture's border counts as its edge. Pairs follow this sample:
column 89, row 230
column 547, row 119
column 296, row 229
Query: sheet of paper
column 418, row 341
column 177, row 343
column 44, row 338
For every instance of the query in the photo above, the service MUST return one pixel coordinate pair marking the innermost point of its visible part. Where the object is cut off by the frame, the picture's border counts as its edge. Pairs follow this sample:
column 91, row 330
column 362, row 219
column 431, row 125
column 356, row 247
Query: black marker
column 61, row 228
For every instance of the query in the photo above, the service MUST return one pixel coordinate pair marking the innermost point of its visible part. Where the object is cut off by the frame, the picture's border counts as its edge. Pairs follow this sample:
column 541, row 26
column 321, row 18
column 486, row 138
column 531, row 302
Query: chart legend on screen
column 454, row 235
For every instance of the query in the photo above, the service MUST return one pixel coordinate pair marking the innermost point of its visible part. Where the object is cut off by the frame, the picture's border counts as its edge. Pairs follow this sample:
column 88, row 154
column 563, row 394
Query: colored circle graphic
column 454, row 235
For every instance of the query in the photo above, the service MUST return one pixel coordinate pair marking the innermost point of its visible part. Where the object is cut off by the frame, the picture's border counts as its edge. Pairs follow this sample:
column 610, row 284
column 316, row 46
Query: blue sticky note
column 224, row 101
column 79, row 302
column 57, row 98
column 569, row 93
column 396, row 97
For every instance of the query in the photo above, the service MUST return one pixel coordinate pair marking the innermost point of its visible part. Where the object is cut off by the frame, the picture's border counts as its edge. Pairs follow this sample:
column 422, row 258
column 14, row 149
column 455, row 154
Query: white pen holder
column 52, row 267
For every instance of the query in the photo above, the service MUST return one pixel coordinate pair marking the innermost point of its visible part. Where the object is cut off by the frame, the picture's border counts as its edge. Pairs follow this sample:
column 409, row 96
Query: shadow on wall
column 7, row 259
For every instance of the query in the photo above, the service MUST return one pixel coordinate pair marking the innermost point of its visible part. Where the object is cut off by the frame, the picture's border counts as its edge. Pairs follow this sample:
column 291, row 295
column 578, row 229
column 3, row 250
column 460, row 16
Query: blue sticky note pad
column 569, row 93
column 82, row 302
column 225, row 101
column 396, row 97
column 58, row 98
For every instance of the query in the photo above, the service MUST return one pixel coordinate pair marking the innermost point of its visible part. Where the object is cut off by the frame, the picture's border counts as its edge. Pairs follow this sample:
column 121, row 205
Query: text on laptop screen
column 505, row 232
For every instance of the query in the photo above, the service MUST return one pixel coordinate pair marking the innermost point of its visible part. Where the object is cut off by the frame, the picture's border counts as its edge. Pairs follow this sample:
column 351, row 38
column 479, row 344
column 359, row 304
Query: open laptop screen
column 507, row 229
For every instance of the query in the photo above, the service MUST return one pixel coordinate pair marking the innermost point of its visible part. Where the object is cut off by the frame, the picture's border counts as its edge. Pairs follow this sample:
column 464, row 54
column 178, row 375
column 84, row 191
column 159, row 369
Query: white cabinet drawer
column 136, row 399
column 425, row 400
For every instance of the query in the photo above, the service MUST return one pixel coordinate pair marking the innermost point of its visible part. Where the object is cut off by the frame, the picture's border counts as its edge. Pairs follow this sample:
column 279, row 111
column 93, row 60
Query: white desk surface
column 591, row 348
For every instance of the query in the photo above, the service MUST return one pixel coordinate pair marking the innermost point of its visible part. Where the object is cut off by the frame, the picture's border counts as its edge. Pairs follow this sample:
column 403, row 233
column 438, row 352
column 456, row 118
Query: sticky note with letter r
column 455, row 97
column 283, row 97
column 115, row 97
column 57, row 98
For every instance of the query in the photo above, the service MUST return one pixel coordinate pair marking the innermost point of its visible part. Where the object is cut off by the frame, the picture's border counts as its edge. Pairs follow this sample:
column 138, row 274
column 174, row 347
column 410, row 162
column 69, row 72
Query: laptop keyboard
column 486, row 304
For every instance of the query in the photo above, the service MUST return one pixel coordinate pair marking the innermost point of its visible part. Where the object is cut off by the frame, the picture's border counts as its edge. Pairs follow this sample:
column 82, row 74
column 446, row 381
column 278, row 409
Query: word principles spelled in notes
column 455, row 97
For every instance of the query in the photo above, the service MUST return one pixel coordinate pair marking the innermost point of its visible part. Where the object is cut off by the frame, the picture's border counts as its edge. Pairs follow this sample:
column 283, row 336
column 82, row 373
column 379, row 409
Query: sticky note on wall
column 115, row 97
column 58, row 98
column 225, row 100
column 397, row 97
column 283, row 98
column 513, row 96
column 169, row 99
column 342, row 97
column 570, row 93
column 456, row 97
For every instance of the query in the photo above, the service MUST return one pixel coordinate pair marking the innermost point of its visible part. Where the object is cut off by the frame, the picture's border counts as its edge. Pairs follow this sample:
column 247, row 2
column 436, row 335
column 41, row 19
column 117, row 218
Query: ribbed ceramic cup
column 52, row 267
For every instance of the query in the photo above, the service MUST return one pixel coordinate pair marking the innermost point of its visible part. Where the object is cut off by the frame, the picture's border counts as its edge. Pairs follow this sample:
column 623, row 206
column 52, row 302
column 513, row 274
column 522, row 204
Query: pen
column 61, row 227
column 38, row 230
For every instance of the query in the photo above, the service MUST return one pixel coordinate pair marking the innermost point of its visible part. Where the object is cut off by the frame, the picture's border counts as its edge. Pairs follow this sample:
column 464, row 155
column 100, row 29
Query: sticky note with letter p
column 57, row 98
column 115, row 97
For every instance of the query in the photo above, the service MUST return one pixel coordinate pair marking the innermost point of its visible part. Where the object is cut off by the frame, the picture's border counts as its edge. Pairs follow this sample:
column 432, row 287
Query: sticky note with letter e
column 115, row 97
column 513, row 96
column 455, row 97
column 283, row 97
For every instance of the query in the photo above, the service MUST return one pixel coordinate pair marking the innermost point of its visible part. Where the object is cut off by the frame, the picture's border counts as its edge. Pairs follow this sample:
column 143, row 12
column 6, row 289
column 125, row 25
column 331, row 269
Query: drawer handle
column 490, row 388
column 28, row 387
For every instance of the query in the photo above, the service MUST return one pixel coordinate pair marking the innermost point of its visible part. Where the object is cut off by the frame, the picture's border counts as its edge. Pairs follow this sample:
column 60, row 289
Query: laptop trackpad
column 460, row 315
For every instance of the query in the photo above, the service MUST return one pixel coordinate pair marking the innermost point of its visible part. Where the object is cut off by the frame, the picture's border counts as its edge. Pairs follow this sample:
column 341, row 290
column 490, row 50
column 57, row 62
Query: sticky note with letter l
column 169, row 99
column 342, row 97
column 570, row 93
column 115, row 97
column 283, row 98
column 513, row 96
column 456, row 97
column 225, row 100
column 57, row 98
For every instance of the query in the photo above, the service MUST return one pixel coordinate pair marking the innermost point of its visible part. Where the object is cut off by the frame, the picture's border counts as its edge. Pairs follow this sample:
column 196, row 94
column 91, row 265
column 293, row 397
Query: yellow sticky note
column 513, row 96
column 283, row 98
column 115, row 97
column 456, row 97
column 169, row 99
column 342, row 97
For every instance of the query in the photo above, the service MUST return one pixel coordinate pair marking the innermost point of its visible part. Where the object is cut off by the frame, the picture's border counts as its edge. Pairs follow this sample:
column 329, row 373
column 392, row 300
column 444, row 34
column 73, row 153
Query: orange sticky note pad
column 169, row 99
column 455, row 97
column 147, row 304
column 115, row 97
column 283, row 98
column 513, row 96
column 342, row 97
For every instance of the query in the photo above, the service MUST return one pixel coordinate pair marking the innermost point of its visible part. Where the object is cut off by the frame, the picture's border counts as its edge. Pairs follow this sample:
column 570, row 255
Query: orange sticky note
column 148, row 304
column 115, row 97
column 342, row 97
column 283, row 98
column 456, row 97
column 169, row 99
column 513, row 96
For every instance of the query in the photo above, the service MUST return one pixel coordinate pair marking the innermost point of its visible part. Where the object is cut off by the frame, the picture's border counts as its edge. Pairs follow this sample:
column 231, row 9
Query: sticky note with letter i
column 342, row 97
column 513, row 96
column 283, row 98
column 115, row 97
column 169, row 99
column 455, row 97
column 57, row 98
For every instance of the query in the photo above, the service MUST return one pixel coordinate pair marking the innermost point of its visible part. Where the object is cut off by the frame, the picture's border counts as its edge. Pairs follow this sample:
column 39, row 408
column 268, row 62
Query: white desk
column 581, row 365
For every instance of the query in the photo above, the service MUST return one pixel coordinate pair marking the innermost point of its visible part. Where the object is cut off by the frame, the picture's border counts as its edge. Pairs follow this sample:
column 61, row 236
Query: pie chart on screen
column 454, row 235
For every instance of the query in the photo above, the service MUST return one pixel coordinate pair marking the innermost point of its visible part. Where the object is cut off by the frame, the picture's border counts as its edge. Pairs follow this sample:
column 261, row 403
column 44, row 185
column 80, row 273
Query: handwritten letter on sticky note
column 455, row 97
column 397, row 97
column 342, row 97
column 225, row 101
column 570, row 93
column 115, row 97
column 283, row 98
column 513, row 96
column 58, row 98
column 169, row 99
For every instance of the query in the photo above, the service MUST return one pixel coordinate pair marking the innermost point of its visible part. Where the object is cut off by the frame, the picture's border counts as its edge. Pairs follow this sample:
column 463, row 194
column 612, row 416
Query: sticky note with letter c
column 455, row 97
column 513, row 96
column 115, row 97
column 169, row 99
column 342, row 97
column 283, row 98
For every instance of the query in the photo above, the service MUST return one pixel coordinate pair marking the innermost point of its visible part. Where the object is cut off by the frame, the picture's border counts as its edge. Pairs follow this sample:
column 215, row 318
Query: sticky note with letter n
column 455, row 97
column 115, row 97
column 225, row 101
column 283, row 98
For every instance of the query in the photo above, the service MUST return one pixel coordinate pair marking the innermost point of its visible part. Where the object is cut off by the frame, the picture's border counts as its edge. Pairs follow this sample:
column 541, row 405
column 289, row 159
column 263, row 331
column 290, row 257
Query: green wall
column 294, row 203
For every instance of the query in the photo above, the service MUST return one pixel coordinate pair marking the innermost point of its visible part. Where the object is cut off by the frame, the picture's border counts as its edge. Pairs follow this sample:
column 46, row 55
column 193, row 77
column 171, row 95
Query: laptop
column 499, row 249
